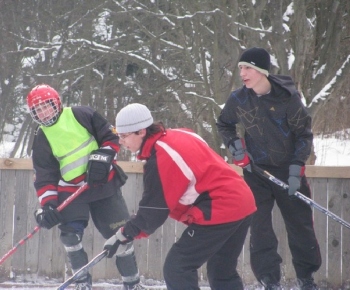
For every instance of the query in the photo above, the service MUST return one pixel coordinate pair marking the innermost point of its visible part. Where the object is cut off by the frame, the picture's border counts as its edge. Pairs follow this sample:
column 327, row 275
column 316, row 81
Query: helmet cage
column 46, row 112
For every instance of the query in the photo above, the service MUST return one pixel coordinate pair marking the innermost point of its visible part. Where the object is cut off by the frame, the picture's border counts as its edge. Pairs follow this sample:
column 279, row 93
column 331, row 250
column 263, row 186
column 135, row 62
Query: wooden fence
column 43, row 254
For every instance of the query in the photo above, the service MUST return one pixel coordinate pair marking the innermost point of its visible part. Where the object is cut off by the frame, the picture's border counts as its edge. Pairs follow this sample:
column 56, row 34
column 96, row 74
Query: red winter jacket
column 185, row 179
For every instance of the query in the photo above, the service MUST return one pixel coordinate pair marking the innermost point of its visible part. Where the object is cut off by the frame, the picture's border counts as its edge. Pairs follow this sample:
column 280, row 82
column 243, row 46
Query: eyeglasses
column 123, row 136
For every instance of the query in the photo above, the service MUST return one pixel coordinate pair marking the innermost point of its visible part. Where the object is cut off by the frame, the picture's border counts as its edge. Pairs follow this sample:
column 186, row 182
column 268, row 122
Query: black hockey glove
column 117, row 244
column 47, row 217
column 99, row 165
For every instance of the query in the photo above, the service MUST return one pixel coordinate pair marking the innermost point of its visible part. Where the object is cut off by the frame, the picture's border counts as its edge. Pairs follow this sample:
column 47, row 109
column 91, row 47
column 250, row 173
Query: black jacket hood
column 282, row 82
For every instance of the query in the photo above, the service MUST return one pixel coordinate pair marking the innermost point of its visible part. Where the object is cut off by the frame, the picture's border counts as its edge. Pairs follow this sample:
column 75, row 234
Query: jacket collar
column 146, row 148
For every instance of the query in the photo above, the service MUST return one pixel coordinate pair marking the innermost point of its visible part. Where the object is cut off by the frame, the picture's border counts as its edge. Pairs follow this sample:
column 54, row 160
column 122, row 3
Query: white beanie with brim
column 133, row 118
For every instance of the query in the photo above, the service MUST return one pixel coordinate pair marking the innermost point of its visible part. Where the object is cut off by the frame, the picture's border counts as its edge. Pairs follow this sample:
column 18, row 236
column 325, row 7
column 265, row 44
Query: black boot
column 84, row 284
column 307, row 284
column 134, row 287
column 269, row 284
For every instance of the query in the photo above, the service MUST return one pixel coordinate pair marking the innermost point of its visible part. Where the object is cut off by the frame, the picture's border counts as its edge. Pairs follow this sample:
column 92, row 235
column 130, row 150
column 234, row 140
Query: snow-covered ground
column 330, row 150
column 96, row 286
column 52, row 285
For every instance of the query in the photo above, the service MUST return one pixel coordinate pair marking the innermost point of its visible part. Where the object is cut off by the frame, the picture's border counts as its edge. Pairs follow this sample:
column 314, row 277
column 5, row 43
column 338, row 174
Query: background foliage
column 177, row 57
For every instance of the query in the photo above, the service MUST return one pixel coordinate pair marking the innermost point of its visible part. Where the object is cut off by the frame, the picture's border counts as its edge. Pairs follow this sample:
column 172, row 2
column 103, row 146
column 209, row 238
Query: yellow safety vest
column 71, row 144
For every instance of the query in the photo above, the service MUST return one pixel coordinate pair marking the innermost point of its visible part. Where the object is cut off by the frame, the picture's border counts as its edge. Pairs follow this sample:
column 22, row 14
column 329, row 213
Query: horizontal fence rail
column 43, row 255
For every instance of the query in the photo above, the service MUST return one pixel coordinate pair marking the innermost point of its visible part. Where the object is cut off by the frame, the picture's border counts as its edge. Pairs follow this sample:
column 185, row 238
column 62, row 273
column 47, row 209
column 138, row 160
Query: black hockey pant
column 218, row 245
column 108, row 215
column 297, row 216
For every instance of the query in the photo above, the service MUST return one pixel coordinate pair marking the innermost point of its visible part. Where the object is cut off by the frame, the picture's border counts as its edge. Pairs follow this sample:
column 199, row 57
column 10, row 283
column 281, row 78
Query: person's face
column 132, row 141
column 251, row 77
column 45, row 113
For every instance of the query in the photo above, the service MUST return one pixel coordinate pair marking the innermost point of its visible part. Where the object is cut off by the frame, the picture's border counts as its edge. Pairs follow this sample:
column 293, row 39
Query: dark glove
column 295, row 174
column 241, row 157
column 47, row 217
column 99, row 165
column 117, row 244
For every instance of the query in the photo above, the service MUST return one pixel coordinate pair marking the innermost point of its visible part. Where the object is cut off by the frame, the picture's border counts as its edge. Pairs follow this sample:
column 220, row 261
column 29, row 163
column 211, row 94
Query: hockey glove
column 47, row 217
column 295, row 174
column 99, row 165
column 117, row 244
column 241, row 157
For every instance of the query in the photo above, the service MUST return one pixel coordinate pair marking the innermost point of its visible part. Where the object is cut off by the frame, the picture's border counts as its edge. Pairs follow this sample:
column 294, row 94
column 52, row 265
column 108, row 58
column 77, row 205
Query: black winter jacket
column 277, row 125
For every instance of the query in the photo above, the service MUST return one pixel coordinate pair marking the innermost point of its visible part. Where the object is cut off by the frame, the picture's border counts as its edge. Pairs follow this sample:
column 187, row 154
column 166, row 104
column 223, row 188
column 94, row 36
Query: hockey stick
column 83, row 271
column 301, row 196
column 37, row 228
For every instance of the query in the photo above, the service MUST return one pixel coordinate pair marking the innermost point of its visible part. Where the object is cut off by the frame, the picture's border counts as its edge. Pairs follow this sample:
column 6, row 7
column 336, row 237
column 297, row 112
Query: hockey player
column 73, row 145
column 186, row 180
column 278, row 139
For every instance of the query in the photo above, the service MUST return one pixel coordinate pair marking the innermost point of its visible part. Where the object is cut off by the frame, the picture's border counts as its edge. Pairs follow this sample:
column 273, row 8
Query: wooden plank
column 27, row 164
column 88, row 240
column 334, row 232
column 137, row 167
column 46, row 245
column 328, row 171
column 319, row 195
column 7, row 196
column 16, row 163
column 132, row 192
column 345, row 232
column 20, row 221
column 169, row 234
column 58, row 255
column 97, row 242
column 32, row 249
column 131, row 167
column 154, row 258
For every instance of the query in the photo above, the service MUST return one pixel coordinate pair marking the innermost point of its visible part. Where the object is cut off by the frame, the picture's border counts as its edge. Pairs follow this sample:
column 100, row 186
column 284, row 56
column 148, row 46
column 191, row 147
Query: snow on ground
column 96, row 286
column 330, row 150
column 40, row 285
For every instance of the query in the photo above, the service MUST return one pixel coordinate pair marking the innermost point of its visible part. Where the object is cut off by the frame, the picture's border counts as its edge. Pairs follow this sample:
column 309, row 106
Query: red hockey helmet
column 44, row 104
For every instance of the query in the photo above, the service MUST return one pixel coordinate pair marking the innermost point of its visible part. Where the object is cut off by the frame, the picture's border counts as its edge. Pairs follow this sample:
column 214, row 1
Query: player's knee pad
column 70, row 239
column 74, row 248
column 127, row 266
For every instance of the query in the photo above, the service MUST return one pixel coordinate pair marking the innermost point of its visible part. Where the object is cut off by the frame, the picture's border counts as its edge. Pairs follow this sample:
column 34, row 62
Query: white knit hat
column 132, row 118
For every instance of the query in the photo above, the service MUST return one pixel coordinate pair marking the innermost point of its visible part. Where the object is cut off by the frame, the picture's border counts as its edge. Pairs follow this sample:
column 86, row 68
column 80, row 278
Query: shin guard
column 127, row 267
column 75, row 251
